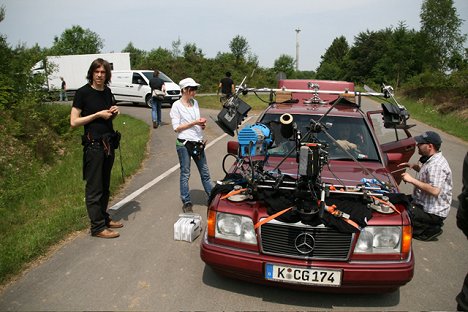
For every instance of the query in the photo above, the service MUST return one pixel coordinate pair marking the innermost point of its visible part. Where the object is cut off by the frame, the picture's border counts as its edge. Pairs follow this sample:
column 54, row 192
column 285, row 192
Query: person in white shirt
column 187, row 122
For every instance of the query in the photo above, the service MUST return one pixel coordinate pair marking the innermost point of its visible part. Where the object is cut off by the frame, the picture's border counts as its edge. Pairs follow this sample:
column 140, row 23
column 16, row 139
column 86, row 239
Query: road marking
column 150, row 184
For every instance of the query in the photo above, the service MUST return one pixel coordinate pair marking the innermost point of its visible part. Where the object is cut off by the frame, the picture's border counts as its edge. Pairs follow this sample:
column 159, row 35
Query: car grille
column 173, row 92
column 281, row 239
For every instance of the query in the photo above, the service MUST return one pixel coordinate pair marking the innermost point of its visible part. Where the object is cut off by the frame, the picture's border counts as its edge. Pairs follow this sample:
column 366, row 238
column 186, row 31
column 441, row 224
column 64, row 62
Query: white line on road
column 133, row 195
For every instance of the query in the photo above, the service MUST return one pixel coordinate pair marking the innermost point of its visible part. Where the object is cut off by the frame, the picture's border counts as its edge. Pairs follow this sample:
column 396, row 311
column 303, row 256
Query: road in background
column 145, row 269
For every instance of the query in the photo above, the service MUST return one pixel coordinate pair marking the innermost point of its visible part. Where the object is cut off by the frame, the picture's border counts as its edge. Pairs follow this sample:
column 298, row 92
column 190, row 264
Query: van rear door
column 120, row 85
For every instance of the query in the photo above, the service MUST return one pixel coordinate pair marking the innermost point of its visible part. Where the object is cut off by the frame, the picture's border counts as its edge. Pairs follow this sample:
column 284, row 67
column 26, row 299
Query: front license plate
column 175, row 98
column 308, row 276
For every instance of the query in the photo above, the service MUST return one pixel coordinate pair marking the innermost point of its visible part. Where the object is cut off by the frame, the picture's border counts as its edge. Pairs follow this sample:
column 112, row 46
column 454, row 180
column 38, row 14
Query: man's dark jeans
column 423, row 221
column 97, row 168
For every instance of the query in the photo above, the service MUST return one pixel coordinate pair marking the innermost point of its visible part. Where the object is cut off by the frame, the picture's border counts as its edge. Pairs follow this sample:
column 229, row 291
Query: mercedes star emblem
column 304, row 243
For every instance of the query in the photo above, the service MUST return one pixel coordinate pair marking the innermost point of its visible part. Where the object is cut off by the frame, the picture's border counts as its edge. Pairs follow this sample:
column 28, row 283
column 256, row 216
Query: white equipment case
column 188, row 227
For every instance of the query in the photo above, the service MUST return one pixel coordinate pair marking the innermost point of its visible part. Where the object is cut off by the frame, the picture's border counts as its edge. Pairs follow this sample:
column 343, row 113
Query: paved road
column 145, row 269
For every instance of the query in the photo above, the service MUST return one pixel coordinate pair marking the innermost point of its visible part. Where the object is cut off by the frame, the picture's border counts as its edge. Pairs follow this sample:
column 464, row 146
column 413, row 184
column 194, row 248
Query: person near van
column 63, row 90
column 158, row 84
column 186, row 121
column 94, row 108
column 226, row 86
column 432, row 195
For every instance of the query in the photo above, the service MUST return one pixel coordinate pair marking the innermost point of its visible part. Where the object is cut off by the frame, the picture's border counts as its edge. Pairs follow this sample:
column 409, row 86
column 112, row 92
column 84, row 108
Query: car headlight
column 236, row 228
column 379, row 239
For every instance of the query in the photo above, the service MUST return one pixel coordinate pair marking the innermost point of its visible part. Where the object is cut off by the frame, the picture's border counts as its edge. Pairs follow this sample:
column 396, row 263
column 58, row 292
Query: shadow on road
column 299, row 298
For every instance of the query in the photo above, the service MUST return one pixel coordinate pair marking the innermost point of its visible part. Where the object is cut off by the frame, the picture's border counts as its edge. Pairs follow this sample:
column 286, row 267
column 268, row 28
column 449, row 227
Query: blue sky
column 268, row 26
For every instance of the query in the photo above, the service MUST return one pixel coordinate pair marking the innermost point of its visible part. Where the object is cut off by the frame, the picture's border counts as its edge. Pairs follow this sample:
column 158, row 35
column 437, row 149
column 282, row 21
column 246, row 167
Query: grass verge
column 51, row 204
column 450, row 123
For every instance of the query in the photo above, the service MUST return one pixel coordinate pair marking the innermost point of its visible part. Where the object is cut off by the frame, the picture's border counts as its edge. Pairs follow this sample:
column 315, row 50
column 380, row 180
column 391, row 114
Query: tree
column 176, row 52
column 239, row 48
column 2, row 13
column 77, row 40
column 441, row 24
column 285, row 63
column 192, row 52
column 333, row 60
column 137, row 56
column 160, row 59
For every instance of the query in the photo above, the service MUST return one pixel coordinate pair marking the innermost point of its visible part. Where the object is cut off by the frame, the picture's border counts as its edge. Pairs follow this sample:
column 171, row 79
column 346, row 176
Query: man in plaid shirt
column 432, row 193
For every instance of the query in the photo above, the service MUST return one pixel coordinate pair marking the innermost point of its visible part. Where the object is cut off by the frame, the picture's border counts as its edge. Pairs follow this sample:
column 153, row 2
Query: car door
column 138, row 89
column 397, row 144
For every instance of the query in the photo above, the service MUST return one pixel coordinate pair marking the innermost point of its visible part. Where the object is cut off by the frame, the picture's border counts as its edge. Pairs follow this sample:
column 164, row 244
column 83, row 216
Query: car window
column 352, row 130
column 138, row 79
column 163, row 76
column 386, row 135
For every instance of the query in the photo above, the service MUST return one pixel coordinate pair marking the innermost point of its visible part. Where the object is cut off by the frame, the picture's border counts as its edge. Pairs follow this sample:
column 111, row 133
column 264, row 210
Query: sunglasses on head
column 192, row 88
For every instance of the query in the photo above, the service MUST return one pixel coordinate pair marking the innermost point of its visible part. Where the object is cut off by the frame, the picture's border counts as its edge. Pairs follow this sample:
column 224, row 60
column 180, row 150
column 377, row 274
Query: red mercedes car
column 306, row 210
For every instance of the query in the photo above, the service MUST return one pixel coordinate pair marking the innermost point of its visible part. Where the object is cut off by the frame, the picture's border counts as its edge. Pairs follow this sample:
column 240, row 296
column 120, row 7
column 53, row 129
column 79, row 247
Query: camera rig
column 302, row 196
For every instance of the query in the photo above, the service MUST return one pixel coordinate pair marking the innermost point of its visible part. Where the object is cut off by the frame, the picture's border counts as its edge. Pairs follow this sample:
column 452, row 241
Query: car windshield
column 344, row 133
column 149, row 75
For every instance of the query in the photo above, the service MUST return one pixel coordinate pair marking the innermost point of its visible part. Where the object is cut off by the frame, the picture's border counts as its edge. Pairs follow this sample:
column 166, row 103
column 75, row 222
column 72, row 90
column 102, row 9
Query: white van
column 133, row 86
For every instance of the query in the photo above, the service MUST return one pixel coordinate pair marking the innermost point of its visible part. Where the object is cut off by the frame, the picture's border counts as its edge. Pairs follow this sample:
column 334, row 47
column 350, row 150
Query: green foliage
column 441, row 24
column 137, row 56
column 239, row 48
column 332, row 64
column 285, row 64
column 77, row 40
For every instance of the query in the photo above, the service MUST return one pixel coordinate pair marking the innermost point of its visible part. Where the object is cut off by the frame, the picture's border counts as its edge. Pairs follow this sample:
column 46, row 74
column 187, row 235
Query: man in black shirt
column 226, row 85
column 94, row 108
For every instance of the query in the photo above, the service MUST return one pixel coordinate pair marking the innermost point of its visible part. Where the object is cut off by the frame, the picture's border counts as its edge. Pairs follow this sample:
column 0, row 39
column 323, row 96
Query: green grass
column 449, row 123
column 51, row 203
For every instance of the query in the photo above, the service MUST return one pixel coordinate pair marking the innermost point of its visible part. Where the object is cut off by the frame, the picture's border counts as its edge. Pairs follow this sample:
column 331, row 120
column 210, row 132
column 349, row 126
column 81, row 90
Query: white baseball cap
column 188, row 82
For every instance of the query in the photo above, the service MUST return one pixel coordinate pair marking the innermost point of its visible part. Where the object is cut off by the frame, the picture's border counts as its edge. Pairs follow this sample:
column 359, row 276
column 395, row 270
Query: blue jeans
column 184, row 159
column 155, row 110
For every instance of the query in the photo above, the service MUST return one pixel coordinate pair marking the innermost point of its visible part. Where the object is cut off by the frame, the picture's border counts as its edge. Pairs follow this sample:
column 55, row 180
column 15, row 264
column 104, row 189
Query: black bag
column 195, row 149
column 114, row 139
column 158, row 94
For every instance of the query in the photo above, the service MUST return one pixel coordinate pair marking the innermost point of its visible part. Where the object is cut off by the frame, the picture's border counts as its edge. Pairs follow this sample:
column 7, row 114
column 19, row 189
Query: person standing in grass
column 94, row 108
column 227, row 87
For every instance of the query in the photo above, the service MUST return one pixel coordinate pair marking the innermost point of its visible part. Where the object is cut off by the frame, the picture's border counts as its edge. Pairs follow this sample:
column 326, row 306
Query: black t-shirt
column 91, row 101
column 156, row 83
column 226, row 85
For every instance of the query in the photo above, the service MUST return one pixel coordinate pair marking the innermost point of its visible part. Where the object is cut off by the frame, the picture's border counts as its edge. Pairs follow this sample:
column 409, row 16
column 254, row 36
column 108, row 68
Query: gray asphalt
column 145, row 269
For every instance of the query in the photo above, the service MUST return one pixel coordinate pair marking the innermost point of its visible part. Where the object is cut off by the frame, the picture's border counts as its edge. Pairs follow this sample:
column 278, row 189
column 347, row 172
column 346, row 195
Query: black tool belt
column 194, row 148
column 109, row 141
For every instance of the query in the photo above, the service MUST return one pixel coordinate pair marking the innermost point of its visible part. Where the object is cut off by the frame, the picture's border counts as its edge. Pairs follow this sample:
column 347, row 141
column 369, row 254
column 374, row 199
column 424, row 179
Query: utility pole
column 297, row 48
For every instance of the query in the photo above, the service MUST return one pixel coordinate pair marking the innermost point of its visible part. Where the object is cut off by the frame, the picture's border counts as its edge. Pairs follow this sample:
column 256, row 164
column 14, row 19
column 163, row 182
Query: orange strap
column 337, row 213
column 233, row 193
column 260, row 223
